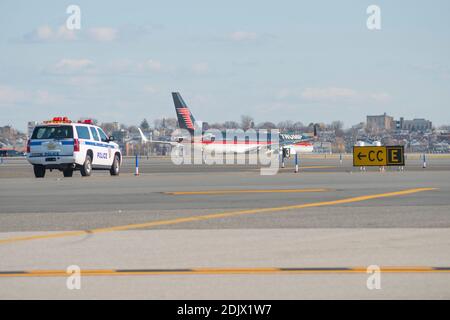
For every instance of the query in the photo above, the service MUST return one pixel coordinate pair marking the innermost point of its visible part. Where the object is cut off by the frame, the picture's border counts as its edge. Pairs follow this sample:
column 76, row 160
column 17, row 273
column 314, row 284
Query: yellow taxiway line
column 214, row 216
column 178, row 193
column 222, row 271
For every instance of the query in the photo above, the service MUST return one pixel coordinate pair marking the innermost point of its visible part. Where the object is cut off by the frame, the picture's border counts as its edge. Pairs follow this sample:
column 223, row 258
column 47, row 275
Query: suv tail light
column 28, row 146
column 76, row 145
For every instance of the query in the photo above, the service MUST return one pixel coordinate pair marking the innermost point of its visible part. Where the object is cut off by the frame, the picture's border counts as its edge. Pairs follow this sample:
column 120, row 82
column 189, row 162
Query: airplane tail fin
column 143, row 137
column 185, row 118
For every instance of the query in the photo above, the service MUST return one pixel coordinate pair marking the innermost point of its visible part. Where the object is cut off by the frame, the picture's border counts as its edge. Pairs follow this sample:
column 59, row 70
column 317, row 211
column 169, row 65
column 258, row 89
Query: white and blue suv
column 68, row 146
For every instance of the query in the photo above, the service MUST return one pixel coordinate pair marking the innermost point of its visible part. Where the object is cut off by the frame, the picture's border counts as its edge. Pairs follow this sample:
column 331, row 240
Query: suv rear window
column 53, row 132
column 83, row 133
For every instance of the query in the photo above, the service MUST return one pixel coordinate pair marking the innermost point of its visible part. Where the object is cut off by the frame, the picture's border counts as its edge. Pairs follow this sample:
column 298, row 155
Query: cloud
column 70, row 66
column 83, row 81
column 331, row 94
column 100, row 34
column 43, row 97
column 46, row 33
column 434, row 69
column 242, row 36
column 74, row 63
column 380, row 96
column 150, row 64
column 10, row 96
column 328, row 93
column 103, row 34
column 63, row 33
column 200, row 68
column 149, row 89
column 81, row 68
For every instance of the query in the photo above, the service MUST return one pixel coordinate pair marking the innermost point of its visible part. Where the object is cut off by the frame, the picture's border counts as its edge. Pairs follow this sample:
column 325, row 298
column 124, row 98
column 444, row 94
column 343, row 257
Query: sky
column 308, row 61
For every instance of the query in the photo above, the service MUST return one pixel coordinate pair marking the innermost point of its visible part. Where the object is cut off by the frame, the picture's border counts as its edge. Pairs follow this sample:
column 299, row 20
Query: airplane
column 287, row 145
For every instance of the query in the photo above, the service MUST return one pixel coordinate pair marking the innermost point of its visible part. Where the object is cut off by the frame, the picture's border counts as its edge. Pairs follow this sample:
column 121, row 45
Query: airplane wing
column 146, row 140
column 143, row 137
column 172, row 143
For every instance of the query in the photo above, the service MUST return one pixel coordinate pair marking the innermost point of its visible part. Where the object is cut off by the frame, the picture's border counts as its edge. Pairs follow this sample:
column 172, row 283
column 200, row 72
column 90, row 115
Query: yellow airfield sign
column 378, row 156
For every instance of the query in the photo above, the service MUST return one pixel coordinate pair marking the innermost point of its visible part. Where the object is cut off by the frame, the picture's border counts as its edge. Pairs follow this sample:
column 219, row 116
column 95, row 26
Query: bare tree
column 217, row 125
column 247, row 122
column 267, row 125
column 337, row 125
column 287, row 125
column 157, row 123
column 231, row 125
column 299, row 126
column 108, row 127
column 171, row 123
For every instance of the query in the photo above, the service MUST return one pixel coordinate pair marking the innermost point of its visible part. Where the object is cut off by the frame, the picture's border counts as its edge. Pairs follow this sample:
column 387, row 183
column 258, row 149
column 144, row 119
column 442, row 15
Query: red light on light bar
column 59, row 120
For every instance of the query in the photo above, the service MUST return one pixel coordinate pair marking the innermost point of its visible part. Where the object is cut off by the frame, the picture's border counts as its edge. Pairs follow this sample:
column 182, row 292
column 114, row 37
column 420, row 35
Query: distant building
column 7, row 132
column 380, row 123
column 414, row 125
column 30, row 127
column 323, row 147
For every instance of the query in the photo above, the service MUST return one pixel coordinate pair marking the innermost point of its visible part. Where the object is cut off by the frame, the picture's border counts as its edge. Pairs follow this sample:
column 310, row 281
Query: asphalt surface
column 330, row 215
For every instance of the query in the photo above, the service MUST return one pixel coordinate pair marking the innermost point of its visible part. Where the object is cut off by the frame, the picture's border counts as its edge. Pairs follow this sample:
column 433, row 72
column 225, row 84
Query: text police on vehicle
column 67, row 146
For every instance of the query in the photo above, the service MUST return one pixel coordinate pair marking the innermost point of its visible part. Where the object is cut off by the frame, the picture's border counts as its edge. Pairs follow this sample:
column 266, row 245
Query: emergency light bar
column 58, row 120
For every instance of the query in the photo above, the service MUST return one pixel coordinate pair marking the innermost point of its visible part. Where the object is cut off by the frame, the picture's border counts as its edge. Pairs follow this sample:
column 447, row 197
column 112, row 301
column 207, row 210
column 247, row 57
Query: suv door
column 84, row 137
column 109, row 147
column 97, row 148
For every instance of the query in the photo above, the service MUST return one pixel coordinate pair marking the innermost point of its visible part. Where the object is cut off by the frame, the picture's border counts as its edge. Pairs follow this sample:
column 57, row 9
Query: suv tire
column 86, row 168
column 68, row 172
column 115, row 168
column 39, row 171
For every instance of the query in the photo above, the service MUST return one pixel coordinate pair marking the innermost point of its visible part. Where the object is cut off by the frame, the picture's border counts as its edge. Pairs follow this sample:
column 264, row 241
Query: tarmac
column 227, row 232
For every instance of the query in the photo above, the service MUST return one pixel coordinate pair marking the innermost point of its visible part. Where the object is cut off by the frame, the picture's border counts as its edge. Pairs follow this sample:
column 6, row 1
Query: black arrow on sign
column 360, row 156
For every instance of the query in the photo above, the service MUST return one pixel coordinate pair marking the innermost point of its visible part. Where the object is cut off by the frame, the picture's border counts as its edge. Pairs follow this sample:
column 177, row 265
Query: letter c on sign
column 379, row 154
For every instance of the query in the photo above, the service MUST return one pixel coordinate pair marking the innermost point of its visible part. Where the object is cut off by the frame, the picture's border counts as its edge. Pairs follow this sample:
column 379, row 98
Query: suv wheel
column 39, row 171
column 115, row 168
column 86, row 168
column 68, row 172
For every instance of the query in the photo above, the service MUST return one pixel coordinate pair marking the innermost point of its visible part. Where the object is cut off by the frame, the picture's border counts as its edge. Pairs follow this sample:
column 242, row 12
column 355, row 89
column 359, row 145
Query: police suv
column 68, row 146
